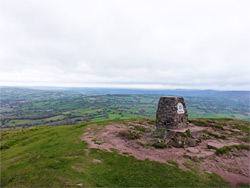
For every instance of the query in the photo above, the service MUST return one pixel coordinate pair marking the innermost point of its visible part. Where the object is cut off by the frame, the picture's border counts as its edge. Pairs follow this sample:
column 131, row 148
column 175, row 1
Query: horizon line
column 116, row 87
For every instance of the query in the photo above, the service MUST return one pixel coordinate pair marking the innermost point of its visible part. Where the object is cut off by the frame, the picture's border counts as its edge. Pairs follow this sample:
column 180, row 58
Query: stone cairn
column 172, row 127
column 171, row 113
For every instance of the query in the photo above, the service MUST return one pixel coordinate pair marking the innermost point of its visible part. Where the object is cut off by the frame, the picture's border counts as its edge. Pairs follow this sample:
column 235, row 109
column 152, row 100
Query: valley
column 29, row 107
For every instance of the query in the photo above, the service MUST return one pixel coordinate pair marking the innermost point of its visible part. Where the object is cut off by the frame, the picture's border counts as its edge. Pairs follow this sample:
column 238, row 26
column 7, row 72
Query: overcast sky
column 202, row 44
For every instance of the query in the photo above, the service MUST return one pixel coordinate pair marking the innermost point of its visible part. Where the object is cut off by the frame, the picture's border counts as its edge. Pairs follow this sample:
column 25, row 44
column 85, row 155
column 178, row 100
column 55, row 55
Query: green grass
column 88, row 108
column 219, row 123
column 173, row 163
column 226, row 149
column 142, row 144
column 56, row 157
column 192, row 166
column 215, row 135
column 160, row 145
column 55, row 118
column 14, row 122
column 242, row 185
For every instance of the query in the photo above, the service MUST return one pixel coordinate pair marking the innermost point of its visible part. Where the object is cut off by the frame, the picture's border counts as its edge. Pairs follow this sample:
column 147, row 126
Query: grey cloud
column 184, row 44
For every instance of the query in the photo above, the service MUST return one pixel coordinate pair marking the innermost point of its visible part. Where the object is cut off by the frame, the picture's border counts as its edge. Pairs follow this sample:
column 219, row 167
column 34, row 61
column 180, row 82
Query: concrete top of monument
column 171, row 97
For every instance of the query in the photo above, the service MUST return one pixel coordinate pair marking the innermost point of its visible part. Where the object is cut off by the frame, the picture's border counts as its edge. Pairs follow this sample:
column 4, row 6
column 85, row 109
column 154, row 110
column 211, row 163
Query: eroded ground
column 223, row 149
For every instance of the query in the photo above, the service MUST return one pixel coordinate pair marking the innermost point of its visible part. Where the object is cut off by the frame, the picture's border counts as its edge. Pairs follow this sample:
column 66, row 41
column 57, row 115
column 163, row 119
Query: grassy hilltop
column 57, row 157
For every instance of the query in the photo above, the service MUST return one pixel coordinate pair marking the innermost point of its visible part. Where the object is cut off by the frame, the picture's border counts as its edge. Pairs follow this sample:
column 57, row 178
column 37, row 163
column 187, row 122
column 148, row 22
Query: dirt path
column 233, row 168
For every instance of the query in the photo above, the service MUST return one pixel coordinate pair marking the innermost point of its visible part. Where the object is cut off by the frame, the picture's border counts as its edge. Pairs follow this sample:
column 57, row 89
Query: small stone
column 177, row 143
column 235, row 130
column 196, row 134
column 202, row 154
column 215, row 145
column 167, row 141
column 191, row 142
column 193, row 150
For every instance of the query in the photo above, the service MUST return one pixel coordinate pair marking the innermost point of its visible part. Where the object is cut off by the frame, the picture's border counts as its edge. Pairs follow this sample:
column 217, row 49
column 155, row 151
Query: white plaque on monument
column 180, row 109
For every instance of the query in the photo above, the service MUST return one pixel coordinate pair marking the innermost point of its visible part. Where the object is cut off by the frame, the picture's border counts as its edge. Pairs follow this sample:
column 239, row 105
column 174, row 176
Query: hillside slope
column 59, row 157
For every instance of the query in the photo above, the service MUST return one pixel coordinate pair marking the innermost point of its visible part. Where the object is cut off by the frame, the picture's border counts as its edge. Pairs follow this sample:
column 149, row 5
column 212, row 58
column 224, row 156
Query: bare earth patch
column 96, row 161
column 233, row 167
column 77, row 167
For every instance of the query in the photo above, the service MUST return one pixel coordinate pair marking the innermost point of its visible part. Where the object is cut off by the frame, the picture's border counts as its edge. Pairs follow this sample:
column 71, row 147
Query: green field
column 23, row 107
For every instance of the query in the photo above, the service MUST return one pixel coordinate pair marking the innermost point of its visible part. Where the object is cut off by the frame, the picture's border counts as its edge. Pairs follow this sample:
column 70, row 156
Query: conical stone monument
column 171, row 113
